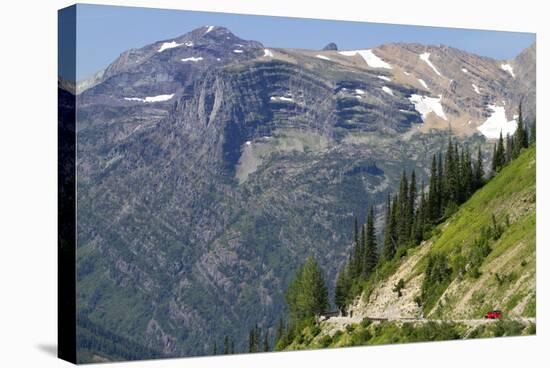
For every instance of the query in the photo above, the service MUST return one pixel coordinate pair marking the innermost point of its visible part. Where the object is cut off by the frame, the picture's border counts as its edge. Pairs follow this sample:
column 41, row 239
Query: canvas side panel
column 66, row 171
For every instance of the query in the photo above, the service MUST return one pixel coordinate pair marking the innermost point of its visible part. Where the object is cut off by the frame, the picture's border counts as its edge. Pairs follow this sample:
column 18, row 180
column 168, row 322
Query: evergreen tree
column 440, row 185
column 478, row 170
column 420, row 218
column 511, row 150
column 521, row 132
column 307, row 295
column 371, row 252
column 402, row 215
column 215, row 350
column 433, row 206
column 499, row 155
column 450, row 176
column 390, row 239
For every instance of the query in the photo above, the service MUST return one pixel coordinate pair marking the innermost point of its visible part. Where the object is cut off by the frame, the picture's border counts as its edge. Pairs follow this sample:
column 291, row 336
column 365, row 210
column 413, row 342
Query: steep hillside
column 500, row 277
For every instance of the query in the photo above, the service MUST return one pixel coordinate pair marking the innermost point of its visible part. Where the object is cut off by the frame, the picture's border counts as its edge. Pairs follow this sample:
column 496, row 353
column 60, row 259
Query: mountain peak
column 330, row 47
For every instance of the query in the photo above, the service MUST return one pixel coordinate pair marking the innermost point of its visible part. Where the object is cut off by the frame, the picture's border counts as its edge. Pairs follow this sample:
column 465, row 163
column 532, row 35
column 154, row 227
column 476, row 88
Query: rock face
column 330, row 47
column 209, row 167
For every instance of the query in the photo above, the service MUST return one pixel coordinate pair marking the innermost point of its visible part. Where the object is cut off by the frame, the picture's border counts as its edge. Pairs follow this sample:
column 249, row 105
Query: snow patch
column 407, row 73
column 248, row 143
column 476, row 89
column 464, row 70
column 497, row 123
column 168, row 45
column 508, row 68
column 421, row 81
column 268, row 53
column 158, row 98
column 383, row 77
column 189, row 44
column 424, row 105
column 370, row 58
column 192, row 58
column 426, row 58
column 388, row 90
column 238, row 51
column 210, row 28
column 359, row 91
column 322, row 57
column 281, row 98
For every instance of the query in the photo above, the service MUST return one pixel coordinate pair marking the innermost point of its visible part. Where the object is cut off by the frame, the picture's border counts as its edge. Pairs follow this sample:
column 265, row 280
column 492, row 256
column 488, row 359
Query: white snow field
column 168, row 45
column 322, row 57
column 508, row 68
column 426, row 58
column 192, row 58
column 388, row 90
column 281, row 98
column 424, row 105
column 370, row 58
column 497, row 123
column 158, row 98
column 268, row 53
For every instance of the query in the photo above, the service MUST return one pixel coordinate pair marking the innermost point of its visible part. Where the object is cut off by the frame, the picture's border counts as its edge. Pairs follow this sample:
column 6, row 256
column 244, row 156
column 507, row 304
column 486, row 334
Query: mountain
column 503, row 277
column 209, row 167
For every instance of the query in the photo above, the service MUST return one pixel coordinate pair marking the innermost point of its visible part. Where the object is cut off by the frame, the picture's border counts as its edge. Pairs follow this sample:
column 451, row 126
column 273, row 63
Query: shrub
column 325, row 341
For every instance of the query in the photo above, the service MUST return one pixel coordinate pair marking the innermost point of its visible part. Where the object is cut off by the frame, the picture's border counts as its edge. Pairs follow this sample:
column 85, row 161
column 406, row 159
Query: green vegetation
column 482, row 240
column 306, row 297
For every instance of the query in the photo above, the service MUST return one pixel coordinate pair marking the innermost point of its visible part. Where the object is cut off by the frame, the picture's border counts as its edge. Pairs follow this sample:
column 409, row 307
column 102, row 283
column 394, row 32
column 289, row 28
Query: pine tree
column 498, row 157
column 433, row 206
column 402, row 215
column 358, row 250
column 420, row 218
column 440, row 185
column 478, row 170
column 450, row 176
column 215, row 350
column 390, row 242
column 521, row 132
column 371, row 252
column 307, row 295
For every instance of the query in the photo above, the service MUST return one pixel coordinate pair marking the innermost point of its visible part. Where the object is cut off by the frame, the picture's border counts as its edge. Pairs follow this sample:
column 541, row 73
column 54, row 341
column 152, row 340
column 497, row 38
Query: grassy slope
column 506, row 279
column 507, row 274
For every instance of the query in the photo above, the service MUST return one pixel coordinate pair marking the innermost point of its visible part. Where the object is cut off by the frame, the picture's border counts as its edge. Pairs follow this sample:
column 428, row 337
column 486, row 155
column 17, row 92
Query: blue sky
column 103, row 32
